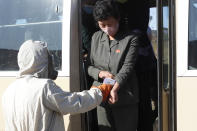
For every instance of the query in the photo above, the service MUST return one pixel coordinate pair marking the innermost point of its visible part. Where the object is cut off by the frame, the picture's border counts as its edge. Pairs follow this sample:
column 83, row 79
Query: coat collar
column 104, row 37
column 105, row 40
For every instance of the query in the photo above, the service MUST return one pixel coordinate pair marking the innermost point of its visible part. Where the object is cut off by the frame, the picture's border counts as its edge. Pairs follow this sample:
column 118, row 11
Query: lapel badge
column 117, row 51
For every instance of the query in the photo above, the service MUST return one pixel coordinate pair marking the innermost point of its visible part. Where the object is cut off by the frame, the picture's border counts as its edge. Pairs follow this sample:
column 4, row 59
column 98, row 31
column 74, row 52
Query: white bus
column 58, row 23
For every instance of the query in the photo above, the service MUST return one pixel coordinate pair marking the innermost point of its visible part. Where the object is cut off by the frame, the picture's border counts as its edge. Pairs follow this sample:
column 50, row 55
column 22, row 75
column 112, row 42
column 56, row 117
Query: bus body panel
column 186, row 104
column 70, row 13
column 186, row 89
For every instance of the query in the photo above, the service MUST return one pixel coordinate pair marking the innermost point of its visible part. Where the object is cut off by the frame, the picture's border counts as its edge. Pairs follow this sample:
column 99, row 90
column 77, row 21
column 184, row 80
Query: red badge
column 117, row 51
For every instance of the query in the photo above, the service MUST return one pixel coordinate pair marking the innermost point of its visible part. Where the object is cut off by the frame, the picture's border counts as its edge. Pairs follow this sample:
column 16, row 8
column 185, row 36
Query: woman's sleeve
column 66, row 102
column 129, row 61
column 92, row 70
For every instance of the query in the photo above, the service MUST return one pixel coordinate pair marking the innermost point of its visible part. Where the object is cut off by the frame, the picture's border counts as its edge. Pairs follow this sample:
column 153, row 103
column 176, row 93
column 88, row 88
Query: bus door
column 166, row 65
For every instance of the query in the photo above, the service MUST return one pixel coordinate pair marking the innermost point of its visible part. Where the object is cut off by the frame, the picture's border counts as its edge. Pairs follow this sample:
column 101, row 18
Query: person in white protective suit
column 34, row 102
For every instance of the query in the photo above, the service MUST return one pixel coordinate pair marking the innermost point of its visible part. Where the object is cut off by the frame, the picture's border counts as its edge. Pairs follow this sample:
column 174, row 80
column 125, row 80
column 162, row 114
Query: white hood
column 33, row 59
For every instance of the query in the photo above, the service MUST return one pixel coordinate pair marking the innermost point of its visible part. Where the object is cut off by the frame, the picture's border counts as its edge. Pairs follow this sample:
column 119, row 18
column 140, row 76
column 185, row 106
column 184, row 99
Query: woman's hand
column 105, row 74
column 113, row 97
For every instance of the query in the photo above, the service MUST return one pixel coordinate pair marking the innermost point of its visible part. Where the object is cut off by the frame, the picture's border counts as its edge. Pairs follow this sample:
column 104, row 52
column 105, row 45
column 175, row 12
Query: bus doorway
column 137, row 19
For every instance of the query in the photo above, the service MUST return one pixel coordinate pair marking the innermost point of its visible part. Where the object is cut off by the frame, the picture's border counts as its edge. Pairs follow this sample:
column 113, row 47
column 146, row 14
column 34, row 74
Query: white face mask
column 111, row 31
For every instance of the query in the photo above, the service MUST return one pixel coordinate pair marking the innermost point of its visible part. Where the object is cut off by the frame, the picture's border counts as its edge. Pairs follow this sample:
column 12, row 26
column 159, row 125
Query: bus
column 58, row 23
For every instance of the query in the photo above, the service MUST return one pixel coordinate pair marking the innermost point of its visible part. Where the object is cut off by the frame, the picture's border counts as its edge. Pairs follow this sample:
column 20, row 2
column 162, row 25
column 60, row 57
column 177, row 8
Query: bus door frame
column 171, row 90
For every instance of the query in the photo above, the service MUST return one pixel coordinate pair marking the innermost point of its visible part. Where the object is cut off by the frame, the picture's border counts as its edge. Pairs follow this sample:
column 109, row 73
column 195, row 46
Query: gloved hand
column 105, row 89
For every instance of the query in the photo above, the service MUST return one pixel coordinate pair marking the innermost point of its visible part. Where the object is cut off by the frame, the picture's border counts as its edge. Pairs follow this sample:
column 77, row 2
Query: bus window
column 192, row 38
column 22, row 20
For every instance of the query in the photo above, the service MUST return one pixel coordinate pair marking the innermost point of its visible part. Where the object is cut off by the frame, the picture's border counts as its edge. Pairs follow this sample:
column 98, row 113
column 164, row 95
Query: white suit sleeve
column 66, row 102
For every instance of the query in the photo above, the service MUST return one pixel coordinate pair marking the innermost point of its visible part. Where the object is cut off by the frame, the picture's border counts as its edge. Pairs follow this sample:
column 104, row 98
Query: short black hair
column 104, row 9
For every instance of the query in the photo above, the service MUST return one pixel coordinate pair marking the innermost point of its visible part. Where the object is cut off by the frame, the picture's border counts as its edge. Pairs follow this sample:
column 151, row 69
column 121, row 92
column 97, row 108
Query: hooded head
column 34, row 59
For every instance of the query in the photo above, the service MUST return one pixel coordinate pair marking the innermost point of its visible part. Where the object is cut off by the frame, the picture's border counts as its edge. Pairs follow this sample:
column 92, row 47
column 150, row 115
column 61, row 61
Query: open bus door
column 166, row 65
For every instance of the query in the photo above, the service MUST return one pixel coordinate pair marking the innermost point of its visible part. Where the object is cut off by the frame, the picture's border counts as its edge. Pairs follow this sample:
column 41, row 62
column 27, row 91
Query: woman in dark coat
column 113, row 55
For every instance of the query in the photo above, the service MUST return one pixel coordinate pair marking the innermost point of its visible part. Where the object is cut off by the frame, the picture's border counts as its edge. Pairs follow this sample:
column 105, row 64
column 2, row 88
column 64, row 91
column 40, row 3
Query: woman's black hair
column 104, row 9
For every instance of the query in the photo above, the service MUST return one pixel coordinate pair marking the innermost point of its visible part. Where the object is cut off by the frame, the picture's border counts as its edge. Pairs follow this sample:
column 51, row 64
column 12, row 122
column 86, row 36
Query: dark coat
column 137, row 14
column 117, row 57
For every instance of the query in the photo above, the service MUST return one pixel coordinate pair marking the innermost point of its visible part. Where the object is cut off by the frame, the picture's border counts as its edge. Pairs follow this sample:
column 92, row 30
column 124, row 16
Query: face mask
column 52, row 73
column 111, row 31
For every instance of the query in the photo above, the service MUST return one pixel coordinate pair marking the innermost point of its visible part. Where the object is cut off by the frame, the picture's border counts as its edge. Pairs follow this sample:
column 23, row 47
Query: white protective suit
column 32, row 103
